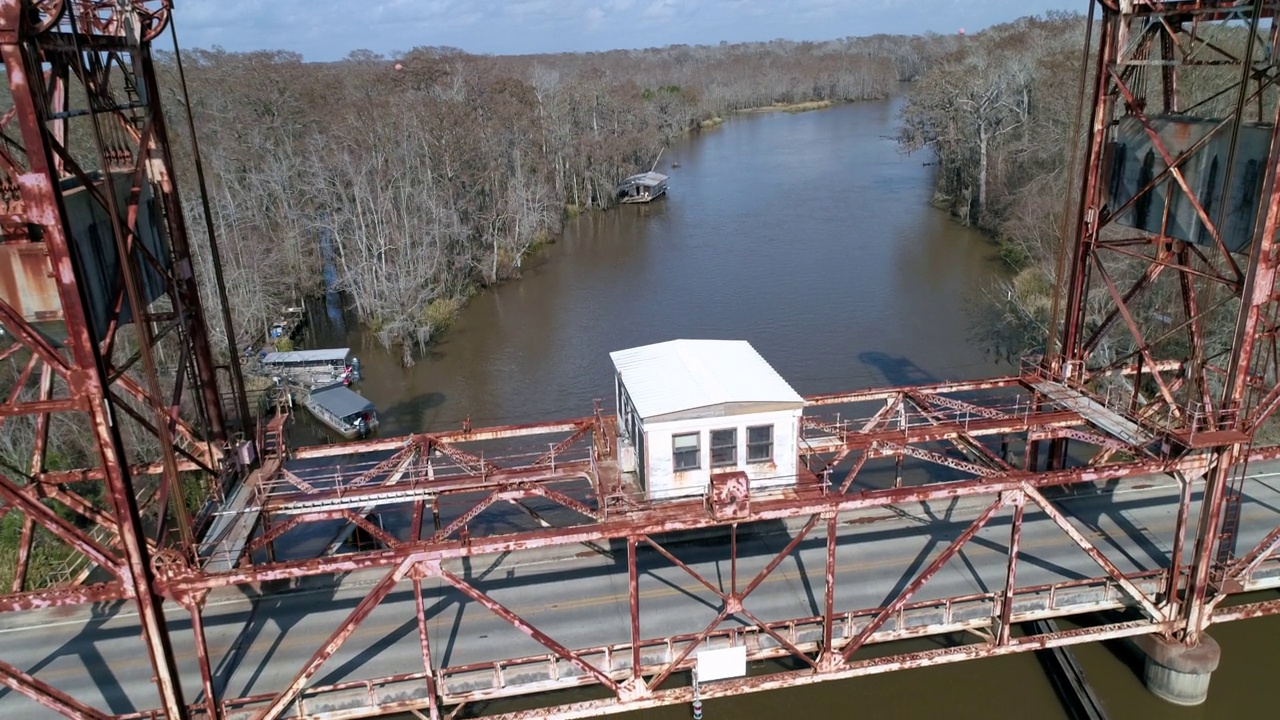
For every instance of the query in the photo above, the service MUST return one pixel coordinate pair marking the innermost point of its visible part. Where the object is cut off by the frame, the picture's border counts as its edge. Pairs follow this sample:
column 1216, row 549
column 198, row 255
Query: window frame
column 751, row 446
column 731, row 446
column 696, row 450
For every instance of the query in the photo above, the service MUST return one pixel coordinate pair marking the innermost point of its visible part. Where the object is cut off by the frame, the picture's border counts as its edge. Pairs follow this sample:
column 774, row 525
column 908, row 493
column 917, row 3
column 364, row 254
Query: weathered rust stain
column 27, row 283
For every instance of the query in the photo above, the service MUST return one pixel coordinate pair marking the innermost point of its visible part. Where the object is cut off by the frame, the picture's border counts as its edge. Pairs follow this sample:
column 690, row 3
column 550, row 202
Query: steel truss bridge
column 1123, row 480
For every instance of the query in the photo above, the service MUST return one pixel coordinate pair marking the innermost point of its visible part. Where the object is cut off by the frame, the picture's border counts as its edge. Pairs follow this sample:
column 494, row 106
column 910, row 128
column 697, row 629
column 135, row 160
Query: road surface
column 259, row 644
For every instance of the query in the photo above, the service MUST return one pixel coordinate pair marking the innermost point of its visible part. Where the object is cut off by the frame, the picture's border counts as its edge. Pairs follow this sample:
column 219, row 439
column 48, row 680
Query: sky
column 323, row 30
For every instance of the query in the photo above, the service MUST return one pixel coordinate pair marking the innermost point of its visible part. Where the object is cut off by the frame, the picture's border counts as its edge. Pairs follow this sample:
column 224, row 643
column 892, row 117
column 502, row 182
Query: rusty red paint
column 580, row 445
column 730, row 496
column 46, row 694
column 344, row 630
column 522, row 625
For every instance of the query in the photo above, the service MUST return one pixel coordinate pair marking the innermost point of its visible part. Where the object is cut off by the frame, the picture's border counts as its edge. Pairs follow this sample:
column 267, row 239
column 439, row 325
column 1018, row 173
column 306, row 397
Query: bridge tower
column 1167, row 303
column 105, row 326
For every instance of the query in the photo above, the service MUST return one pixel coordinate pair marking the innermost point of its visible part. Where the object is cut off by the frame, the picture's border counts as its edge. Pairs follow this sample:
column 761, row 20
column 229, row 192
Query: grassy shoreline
column 798, row 107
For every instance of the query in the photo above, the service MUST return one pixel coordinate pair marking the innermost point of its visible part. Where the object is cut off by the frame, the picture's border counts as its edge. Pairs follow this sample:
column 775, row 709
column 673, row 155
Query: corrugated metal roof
column 648, row 178
column 340, row 400
column 680, row 375
column 306, row 356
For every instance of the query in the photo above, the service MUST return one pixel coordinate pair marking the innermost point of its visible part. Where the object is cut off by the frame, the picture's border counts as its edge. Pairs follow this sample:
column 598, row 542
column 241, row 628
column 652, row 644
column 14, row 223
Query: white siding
column 664, row 483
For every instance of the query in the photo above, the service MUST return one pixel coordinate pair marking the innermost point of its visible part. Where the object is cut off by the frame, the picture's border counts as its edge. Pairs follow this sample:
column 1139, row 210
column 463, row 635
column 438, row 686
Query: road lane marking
column 380, row 628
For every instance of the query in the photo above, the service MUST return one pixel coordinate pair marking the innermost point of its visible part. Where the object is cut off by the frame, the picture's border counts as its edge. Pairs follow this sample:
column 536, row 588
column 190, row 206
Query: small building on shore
column 690, row 409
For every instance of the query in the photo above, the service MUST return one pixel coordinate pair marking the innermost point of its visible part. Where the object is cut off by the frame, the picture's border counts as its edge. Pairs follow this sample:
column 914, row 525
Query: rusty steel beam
column 1246, row 612
column 549, row 457
column 925, row 575
column 890, row 448
column 799, row 678
column 24, row 555
column 499, row 432
column 425, row 640
column 958, row 405
column 395, row 467
column 1260, row 552
column 388, row 466
column 676, row 516
column 81, row 474
column 47, row 517
column 925, row 433
column 433, row 568
column 1019, row 501
column 1096, row 555
column 1256, row 308
column 860, row 396
column 963, row 442
column 1084, row 436
column 633, row 596
column 335, row 641
column 827, row 660
column 202, row 658
column 419, row 488
column 46, row 694
column 62, row 597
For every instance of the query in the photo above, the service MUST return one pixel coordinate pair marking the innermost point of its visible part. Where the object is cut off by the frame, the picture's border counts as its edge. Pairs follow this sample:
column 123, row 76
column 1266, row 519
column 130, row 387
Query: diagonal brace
column 523, row 626
column 934, row 567
column 1093, row 552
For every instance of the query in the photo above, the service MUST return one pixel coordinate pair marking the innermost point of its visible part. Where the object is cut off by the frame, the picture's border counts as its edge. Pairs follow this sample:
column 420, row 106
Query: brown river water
column 810, row 236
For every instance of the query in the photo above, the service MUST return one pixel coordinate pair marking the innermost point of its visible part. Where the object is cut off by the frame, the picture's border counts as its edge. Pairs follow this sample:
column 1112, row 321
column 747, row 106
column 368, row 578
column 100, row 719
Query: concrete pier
column 1176, row 672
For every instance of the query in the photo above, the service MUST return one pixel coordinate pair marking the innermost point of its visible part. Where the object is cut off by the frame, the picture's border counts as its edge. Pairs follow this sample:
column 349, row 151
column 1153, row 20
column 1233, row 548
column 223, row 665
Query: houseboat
column 642, row 188
column 342, row 410
column 312, row 368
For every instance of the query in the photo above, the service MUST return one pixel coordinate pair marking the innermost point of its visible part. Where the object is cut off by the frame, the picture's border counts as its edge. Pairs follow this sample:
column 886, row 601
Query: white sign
column 724, row 663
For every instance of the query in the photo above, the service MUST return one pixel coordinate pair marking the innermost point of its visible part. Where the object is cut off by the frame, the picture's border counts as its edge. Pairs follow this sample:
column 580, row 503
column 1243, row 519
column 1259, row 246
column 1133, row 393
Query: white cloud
column 329, row 29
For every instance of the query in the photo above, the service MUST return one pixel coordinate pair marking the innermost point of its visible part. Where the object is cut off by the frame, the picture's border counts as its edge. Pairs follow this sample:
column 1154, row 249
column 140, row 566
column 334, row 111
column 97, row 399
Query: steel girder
column 104, row 325
column 952, row 442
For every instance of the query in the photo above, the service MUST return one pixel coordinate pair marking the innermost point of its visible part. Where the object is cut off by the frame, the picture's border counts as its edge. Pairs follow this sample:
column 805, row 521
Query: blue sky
column 329, row 29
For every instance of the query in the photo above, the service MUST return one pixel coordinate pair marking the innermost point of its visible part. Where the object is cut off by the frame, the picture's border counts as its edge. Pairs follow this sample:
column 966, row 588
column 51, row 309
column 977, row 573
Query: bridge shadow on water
column 897, row 371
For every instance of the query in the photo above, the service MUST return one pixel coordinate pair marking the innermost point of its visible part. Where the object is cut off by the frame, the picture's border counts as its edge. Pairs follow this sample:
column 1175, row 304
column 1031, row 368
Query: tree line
column 999, row 113
column 425, row 176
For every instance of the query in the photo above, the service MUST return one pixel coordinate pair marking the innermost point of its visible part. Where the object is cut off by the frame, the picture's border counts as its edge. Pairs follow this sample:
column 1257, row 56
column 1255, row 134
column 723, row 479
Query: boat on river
column 342, row 410
column 312, row 368
column 642, row 188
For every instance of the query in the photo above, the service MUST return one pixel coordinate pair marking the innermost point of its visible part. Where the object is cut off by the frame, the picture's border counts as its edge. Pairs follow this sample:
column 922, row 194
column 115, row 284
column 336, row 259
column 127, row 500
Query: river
column 810, row 236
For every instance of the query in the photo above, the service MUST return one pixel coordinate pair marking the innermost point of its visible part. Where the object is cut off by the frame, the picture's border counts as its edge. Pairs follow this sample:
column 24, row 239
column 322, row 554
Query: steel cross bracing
column 105, row 336
column 1117, row 480
column 431, row 514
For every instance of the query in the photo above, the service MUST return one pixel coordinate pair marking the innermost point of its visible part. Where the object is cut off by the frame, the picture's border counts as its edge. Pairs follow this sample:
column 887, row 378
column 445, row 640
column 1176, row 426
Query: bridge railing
column 529, row 675
column 488, row 680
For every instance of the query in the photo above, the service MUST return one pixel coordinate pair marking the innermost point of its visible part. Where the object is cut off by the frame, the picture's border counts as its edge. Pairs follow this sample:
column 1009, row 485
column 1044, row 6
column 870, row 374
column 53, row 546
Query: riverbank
column 708, row 261
column 442, row 313
column 791, row 107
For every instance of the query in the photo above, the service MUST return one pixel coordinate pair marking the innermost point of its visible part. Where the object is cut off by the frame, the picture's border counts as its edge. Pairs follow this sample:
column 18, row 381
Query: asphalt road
column 259, row 644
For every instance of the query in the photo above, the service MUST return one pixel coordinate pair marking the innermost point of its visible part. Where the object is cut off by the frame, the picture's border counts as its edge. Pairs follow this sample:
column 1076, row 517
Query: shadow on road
column 85, row 647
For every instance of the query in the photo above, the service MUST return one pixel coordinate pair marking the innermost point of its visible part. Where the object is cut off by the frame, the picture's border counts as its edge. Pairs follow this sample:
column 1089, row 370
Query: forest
column 999, row 112
column 425, row 177
column 412, row 182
